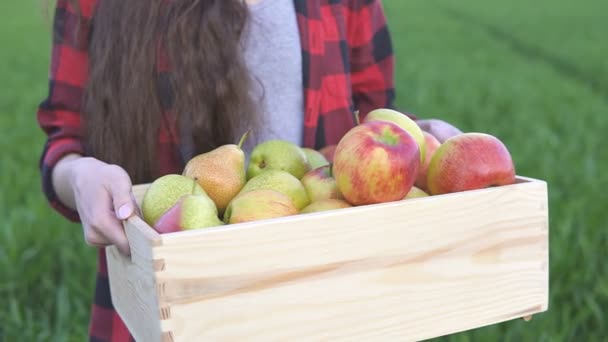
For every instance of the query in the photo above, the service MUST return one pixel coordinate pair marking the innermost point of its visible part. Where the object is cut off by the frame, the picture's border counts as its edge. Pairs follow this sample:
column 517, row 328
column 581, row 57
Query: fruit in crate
column 328, row 152
column 259, row 204
column 164, row 192
column 315, row 158
column 324, row 205
column 470, row 161
column 320, row 184
column 277, row 155
column 189, row 212
column 432, row 144
column 416, row 192
column 221, row 172
column 401, row 120
column 281, row 181
column 376, row 162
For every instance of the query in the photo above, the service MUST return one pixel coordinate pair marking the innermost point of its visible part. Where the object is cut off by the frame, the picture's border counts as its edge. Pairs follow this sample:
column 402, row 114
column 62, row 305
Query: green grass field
column 533, row 74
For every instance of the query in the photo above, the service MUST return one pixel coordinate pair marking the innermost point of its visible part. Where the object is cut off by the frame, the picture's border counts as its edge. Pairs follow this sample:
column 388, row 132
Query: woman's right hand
column 103, row 198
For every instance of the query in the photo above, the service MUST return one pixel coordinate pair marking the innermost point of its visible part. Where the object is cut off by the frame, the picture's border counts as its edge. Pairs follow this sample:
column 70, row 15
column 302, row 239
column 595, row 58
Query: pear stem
column 243, row 138
column 194, row 184
column 357, row 118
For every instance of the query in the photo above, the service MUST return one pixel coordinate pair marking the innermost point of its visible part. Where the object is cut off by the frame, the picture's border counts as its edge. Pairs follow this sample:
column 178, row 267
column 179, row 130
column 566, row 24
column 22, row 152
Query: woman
column 139, row 87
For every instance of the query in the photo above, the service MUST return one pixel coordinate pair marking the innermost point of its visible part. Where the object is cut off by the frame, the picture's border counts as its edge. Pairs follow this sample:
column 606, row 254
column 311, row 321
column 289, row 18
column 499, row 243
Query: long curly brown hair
column 208, row 80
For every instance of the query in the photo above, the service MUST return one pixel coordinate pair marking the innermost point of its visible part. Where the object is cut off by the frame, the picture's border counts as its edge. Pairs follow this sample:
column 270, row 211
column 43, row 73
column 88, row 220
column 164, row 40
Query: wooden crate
column 407, row 270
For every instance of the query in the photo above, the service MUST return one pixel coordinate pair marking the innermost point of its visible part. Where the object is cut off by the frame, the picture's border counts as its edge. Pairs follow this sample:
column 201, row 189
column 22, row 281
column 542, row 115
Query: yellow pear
column 220, row 172
column 324, row 205
column 259, row 204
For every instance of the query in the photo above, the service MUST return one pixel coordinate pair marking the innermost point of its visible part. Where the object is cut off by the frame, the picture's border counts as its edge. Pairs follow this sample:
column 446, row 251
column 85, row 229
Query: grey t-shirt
column 273, row 56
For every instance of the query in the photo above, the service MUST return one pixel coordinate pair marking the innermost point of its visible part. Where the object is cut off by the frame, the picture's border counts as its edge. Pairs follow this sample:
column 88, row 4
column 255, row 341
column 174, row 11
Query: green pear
column 189, row 212
column 416, row 192
column 164, row 192
column 315, row 158
column 281, row 181
column 277, row 155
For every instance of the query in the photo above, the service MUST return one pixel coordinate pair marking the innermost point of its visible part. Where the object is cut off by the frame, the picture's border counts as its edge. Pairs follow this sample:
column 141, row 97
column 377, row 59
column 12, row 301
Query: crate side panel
column 406, row 228
column 416, row 269
column 133, row 284
column 412, row 302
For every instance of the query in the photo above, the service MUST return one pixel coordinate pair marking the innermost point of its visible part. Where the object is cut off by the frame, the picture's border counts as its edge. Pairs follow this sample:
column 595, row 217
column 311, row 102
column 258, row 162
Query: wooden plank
column 133, row 283
column 139, row 191
column 417, row 269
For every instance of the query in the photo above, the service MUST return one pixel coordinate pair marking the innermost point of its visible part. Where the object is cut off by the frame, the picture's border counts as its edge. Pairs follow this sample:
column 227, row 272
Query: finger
column 111, row 231
column 93, row 238
column 118, row 237
column 430, row 126
column 120, row 191
column 424, row 124
column 442, row 136
column 90, row 234
column 446, row 132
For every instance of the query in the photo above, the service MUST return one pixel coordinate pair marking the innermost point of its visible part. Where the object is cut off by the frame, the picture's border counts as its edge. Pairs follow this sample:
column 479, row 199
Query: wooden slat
column 132, row 281
column 413, row 269
column 139, row 191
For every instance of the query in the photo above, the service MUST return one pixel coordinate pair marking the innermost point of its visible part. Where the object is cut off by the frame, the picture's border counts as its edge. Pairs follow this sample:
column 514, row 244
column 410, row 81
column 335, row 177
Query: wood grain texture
column 412, row 270
column 133, row 286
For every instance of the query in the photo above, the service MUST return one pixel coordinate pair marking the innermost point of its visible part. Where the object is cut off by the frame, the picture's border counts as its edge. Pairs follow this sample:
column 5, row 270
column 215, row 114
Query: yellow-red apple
column 470, row 161
column 432, row 144
column 320, row 184
column 376, row 162
column 403, row 121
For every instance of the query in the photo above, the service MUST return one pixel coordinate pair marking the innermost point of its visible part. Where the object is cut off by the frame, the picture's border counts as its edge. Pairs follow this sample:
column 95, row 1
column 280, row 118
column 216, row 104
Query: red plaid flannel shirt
column 347, row 65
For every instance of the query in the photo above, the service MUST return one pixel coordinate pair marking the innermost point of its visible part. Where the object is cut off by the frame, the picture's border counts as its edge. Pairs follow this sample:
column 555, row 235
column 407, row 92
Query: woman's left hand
column 438, row 128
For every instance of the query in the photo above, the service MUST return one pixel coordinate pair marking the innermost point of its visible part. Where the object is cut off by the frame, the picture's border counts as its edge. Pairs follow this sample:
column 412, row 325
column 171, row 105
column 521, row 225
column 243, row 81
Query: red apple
column 328, row 152
column 320, row 184
column 376, row 162
column 470, row 161
column 432, row 144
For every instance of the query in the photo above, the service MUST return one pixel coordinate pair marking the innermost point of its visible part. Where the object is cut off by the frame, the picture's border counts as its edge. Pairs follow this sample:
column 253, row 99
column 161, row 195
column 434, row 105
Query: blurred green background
column 535, row 74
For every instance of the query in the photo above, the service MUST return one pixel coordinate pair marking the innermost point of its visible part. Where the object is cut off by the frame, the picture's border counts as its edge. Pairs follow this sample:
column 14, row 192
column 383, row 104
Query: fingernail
column 125, row 211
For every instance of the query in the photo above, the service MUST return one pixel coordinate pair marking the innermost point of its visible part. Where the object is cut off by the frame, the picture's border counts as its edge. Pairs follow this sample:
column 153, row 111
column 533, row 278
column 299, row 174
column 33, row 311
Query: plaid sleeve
column 372, row 59
column 59, row 113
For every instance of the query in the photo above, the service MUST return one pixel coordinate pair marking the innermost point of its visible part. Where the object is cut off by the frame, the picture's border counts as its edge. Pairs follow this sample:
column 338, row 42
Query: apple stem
column 331, row 167
column 243, row 138
column 357, row 118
